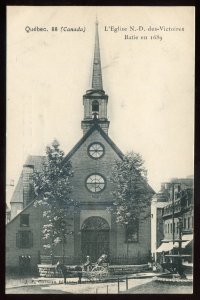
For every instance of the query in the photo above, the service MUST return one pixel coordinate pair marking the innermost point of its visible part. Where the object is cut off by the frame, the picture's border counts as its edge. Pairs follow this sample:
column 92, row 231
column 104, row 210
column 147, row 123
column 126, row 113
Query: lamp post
column 180, row 221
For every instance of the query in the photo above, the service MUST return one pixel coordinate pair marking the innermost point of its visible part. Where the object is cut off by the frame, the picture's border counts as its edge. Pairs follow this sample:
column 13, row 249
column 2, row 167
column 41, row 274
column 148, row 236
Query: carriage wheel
column 98, row 272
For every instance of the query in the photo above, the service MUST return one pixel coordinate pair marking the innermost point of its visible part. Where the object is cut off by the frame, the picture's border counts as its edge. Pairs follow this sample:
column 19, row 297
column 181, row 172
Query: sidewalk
column 17, row 282
column 140, row 283
column 98, row 288
column 47, row 285
column 160, row 288
column 72, row 286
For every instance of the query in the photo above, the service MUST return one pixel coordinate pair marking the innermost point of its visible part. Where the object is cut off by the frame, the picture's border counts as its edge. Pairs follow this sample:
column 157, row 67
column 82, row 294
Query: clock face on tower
column 96, row 150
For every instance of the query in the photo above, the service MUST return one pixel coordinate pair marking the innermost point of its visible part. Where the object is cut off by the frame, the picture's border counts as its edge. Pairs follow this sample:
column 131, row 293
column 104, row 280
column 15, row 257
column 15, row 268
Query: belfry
column 95, row 100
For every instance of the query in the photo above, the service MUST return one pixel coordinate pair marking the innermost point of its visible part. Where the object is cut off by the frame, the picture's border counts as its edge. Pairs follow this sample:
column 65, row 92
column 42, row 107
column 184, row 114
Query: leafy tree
column 132, row 194
column 53, row 189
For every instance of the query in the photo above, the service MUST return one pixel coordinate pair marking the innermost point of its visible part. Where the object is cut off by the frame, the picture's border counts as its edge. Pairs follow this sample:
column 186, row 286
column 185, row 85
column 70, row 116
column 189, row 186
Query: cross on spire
column 97, row 83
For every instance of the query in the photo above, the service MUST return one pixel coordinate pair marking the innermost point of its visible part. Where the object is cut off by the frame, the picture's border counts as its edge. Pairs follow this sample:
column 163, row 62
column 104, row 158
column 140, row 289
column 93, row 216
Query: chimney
column 27, row 188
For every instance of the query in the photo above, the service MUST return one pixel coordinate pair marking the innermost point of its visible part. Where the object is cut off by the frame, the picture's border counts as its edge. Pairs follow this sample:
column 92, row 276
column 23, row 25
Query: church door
column 94, row 238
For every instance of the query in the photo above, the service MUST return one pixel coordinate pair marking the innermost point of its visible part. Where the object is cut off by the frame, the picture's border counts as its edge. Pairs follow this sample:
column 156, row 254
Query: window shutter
column 24, row 239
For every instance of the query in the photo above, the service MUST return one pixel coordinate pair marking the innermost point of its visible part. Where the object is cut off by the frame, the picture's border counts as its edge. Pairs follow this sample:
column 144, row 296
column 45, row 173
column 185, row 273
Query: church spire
column 95, row 100
column 97, row 83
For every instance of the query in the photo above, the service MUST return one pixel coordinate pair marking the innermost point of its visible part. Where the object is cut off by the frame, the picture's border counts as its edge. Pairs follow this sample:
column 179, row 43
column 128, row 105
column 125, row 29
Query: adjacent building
column 177, row 217
column 157, row 235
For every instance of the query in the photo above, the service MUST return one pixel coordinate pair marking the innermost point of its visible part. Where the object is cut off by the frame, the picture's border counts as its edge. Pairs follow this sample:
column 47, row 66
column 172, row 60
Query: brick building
column 95, row 231
column 177, row 216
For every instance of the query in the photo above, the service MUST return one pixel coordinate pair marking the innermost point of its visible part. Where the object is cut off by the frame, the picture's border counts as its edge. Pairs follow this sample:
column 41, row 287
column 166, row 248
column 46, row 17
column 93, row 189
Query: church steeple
column 95, row 100
column 97, row 74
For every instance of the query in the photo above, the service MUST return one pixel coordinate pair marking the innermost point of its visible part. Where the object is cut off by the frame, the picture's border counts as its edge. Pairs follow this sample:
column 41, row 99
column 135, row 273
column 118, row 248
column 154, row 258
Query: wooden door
column 95, row 243
column 95, row 238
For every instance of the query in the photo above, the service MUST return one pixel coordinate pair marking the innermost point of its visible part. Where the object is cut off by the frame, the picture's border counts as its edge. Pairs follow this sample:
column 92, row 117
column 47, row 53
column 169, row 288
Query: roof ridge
column 21, row 212
column 88, row 133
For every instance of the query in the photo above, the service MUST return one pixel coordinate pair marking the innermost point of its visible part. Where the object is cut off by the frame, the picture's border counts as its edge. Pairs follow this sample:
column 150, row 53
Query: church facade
column 94, row 228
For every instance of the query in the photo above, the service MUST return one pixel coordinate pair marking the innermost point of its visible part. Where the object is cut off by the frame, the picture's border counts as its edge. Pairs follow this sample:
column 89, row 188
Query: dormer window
column 95, row 106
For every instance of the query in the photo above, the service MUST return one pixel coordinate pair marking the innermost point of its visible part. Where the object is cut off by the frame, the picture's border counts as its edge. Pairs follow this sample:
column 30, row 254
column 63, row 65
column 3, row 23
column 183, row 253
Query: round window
column 96, row 150
column 95, row 183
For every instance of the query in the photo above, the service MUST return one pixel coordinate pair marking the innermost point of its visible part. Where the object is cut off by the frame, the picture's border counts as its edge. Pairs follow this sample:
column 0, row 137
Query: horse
column 66, row 272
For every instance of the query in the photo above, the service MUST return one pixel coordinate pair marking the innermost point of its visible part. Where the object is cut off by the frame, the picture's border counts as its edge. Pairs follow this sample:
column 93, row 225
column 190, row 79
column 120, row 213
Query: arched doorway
column 95, row 237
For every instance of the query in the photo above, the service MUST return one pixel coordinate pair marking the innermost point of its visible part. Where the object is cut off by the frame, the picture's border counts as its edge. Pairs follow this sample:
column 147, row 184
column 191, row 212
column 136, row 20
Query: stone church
column 95, row 231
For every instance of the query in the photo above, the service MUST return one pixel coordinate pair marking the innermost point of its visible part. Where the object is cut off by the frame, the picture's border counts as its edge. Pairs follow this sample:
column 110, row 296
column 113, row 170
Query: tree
column 132, row 194
column 53, row 190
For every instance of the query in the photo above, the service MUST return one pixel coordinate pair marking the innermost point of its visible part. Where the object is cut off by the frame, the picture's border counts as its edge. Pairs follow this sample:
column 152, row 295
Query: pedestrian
column 87, row 264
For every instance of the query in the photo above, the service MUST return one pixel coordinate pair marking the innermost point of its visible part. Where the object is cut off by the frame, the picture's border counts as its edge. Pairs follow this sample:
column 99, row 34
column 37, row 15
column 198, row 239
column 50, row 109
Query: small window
column 171, row 227
column 24, row 220
column 168, row 227
column 132, row 232
column 95, row 106
column 24, row 239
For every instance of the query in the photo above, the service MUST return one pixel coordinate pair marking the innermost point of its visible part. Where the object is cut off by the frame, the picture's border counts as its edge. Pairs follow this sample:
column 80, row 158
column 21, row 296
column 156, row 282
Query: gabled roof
column 21, row 212
column 37, row 161
column 106, row 137
column 88, row 133
column 17, row 196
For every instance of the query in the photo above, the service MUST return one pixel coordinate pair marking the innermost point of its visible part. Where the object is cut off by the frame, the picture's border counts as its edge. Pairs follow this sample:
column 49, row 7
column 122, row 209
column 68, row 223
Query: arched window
column 95, row 223
column 95, row 106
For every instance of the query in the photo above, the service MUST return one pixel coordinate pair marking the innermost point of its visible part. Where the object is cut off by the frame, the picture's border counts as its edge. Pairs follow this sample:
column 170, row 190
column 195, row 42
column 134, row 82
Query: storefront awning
column 165, row 247
column 168, row 246
column 188, row 238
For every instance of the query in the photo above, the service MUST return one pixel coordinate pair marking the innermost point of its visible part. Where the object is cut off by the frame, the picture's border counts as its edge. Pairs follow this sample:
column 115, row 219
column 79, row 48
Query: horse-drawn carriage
column 91, row 271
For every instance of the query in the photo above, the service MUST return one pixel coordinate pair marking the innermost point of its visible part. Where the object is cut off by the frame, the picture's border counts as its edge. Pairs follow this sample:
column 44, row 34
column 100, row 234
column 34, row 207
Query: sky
column 149, row 79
